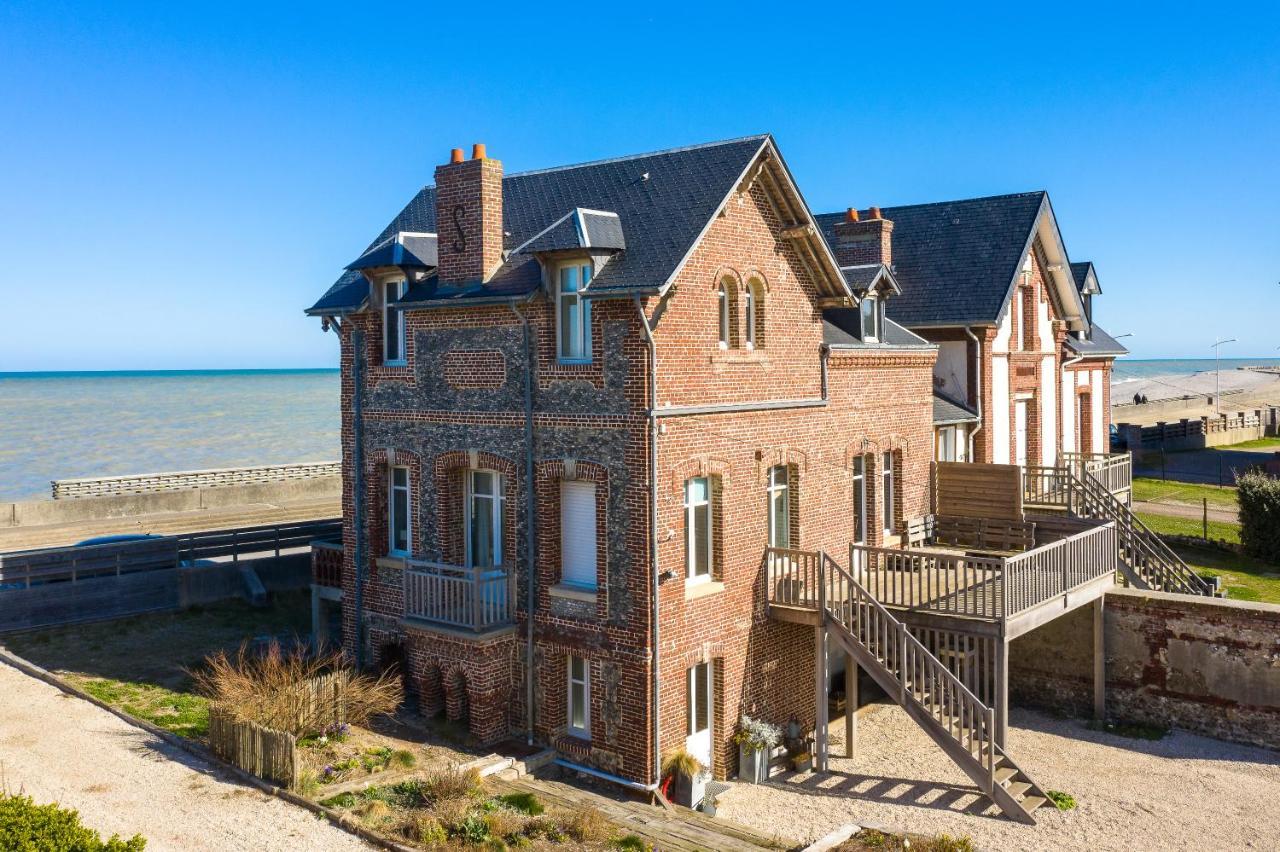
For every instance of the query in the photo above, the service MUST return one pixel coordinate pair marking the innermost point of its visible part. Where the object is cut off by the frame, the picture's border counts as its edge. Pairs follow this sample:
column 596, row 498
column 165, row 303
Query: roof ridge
column 679, row 150
column 1027, row 194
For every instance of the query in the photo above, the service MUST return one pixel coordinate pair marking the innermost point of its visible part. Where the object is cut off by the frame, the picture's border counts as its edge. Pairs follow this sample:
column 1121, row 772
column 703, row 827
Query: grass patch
column 1192, row 527
column 525, row 803
column 1130, row 730
column 1244, row 577
column 1062, row 801
column 180, row 713
column 870, row 838
column 1151, row 490
column 1256, row 444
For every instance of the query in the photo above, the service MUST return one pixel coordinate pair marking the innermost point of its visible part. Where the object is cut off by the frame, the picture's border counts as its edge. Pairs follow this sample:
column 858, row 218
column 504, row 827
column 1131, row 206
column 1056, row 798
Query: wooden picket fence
column 268, row 754
column 273, row 754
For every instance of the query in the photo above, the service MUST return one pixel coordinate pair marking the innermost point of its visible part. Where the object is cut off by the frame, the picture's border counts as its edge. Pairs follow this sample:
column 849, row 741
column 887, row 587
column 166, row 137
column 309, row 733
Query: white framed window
column 870, row 319
column 946, row 450
column 749, row 337
column 579, row 704
column 861, row 465
column 724, row 307
column 398, row 523
column 393, row 347
column 699, row 702
column 886, row 478
column 697, row 514
column 573, row 313
column 483, row 518
column 779, row 506
column 578, row 533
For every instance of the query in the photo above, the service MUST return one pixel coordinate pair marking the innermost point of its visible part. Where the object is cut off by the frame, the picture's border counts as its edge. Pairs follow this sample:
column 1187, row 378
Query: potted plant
column 685, row 777
column 756, row 740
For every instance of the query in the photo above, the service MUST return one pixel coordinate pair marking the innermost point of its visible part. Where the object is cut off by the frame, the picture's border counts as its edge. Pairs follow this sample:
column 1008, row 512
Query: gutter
column 530, row 510
column 653, row 533
column 977, row 374
column 733, row 407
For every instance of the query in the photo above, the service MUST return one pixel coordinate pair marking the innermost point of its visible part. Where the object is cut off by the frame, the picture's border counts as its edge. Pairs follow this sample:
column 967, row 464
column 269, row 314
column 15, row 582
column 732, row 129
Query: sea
column 68, row 425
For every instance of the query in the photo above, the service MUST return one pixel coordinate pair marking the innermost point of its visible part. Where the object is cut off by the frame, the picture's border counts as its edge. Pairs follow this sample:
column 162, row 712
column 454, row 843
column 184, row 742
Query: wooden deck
column 678, row 829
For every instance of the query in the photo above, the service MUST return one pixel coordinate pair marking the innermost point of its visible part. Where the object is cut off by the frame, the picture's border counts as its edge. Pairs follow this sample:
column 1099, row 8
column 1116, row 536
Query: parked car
column 1117, row 440
column 115, row 539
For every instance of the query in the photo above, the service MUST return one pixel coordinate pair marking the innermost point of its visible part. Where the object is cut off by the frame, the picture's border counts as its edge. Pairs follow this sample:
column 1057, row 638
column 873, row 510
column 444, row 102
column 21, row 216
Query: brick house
column 1023, row 373
column 577, row 405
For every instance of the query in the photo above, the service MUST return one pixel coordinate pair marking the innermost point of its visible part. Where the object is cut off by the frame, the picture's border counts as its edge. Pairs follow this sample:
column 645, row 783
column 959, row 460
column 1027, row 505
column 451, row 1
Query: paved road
column 166, row 523
column 1178, row 510
column 57, row 748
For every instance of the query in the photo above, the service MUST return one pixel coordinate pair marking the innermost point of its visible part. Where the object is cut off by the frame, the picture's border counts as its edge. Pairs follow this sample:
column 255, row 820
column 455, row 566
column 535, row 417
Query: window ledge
column 390, row 561
column 693, row 591
column 573, row 593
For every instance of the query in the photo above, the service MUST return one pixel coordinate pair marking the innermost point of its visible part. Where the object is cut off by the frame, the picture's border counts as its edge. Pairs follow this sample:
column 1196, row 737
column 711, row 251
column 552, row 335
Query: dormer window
column 872, row 319
column 393, row 349
column 573, row 313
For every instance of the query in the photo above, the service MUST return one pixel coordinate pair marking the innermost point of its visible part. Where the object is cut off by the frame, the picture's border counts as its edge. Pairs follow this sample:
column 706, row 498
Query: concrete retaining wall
column 29, row 513
column 1201, row 664
column 145, row 483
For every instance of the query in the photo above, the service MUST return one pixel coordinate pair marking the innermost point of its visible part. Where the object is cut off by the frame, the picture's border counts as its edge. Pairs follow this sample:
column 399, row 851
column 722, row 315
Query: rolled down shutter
column 578, row 533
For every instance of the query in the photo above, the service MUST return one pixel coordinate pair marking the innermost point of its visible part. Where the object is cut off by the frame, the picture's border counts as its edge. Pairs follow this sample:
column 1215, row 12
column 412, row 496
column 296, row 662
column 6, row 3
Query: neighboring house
column 622, row 380
column 1023, row 371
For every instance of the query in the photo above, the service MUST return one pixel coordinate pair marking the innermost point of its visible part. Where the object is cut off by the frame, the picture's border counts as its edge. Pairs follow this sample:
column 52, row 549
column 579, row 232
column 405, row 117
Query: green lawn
column 1169, row 525
column 1168, row 491
column 1245, row 578
column 1259, row 444
column 139, row 664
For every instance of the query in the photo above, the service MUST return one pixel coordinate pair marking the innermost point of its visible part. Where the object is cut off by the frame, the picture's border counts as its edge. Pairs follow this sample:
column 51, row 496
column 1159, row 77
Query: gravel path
column 1182, row 792
column 57, row 748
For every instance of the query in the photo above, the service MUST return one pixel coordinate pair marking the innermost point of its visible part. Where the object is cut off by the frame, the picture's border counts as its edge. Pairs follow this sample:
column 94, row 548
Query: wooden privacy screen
column 968, row 490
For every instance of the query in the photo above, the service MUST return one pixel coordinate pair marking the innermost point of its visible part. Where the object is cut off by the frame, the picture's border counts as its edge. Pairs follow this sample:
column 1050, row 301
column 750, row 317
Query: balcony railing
column 475, row 598
column 1113, row 471
column 326, row 563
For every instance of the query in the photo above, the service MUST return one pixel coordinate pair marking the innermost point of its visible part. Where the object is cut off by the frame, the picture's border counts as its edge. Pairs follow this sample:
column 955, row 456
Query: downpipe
column 977, row 377
column 653, row 534
column 357, row 484
column 531, row 512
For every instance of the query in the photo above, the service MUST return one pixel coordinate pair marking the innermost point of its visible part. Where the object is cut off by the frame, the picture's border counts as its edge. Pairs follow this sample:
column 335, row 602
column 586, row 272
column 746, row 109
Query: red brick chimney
column 469, row 216
column 864, row 237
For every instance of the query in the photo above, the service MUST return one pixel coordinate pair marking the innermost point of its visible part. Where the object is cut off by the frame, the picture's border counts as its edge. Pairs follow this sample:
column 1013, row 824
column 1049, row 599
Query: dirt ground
column 1179, row 793
column 124, row 780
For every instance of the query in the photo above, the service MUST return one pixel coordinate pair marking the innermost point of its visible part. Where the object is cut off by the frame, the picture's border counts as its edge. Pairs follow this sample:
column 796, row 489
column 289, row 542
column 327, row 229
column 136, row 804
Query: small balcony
column 473, row 599
column 326, row 563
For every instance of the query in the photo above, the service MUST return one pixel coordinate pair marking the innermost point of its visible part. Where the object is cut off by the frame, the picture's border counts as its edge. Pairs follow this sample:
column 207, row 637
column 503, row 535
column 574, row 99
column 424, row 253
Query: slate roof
column 842, row 328
column 579, row 229
column 954, row 260
column 947, row 411
column 1079, row 272
column 663, row 200
column 416, row 251
column 1098, row 343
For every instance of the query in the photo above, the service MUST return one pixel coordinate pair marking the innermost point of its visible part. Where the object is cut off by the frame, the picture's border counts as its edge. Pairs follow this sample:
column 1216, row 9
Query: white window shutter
column 578, row 533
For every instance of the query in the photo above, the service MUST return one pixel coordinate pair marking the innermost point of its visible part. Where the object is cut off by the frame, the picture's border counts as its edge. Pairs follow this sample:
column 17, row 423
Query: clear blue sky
column 178, row 182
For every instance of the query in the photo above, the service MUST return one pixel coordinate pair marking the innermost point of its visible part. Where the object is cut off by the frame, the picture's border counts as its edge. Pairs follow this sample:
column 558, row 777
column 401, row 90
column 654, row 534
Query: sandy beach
column 1241, row 390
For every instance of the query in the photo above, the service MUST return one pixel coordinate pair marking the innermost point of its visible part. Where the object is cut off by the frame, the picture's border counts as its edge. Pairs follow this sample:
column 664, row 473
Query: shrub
column 680, row 762
column 403, row 759
column 505, row 823
column 631, row 843
column 452, row 784
column 28, row 827
column 452, row 813
column 525, row 803
column 427, row 830
column 1259, row 497
column 588, row 825
column 271, row 687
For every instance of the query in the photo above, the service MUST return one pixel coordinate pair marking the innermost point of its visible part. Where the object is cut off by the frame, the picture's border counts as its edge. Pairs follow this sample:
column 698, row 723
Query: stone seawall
column 1204, row 665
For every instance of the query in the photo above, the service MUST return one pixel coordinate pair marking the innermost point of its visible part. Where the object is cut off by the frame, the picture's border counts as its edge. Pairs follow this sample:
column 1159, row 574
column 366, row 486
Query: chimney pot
column 477, row 151
column 455, row 156
column 875, row 213
column 851, row 215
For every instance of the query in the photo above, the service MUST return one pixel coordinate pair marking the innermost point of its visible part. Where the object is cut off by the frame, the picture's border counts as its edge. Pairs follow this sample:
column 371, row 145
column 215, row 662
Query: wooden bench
column 977, row 535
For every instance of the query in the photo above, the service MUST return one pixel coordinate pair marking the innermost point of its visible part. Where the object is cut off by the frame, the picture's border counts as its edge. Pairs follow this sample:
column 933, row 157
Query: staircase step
column 1005, row 773
column 1018, row 788
column 1030, row 803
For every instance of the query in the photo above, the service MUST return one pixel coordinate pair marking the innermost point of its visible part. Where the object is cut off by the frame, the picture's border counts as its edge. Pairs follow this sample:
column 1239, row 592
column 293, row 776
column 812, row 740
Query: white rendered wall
column 1048, row 406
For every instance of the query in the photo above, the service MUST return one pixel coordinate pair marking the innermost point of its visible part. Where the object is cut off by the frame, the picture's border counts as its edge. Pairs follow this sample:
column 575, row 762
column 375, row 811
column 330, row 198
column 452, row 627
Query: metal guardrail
column 182, row 480
column 269, row 539
column 29, row 568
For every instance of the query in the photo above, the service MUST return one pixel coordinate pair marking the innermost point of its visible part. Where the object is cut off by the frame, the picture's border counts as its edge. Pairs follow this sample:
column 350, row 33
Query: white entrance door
column 1020, row 432
column 698, row 742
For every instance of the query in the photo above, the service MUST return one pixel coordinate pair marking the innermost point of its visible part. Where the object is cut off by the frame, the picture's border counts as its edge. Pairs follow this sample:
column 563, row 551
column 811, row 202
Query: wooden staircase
column 1145, row 560
column 926, row 689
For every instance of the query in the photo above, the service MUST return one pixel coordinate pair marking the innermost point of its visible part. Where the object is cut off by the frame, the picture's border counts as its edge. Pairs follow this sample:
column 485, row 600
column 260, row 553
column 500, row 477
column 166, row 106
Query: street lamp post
column 1216, row 388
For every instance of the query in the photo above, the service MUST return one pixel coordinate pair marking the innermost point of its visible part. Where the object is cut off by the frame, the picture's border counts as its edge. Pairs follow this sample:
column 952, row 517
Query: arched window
column 754, row 320
column 725, row 314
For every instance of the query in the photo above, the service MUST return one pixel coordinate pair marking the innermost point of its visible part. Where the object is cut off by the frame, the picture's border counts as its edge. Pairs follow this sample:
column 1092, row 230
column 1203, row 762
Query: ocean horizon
column 79, row 423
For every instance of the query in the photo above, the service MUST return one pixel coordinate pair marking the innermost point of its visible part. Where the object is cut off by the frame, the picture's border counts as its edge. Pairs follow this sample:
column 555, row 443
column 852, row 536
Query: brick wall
column 1204, row 665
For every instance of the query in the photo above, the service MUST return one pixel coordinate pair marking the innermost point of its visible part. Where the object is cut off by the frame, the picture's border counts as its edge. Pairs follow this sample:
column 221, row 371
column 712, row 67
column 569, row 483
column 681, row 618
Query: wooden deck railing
column 1045, row 572
column 467, row 598
column 1046, row 486
column 792, row 577
column 1114, row 471
column 935, row 580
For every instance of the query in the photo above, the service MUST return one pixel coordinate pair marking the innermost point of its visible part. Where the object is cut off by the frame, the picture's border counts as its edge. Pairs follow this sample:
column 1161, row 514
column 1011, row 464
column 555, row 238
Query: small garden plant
column 25, row 825
column 1131, row 730
column 757, row 733
column 870, row 838
column 1062, row 801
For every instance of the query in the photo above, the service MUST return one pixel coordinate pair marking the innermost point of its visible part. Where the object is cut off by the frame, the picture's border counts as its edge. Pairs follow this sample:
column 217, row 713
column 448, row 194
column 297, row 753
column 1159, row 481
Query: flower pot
column 689, row 791
column 802, row 762
column 753, row 763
